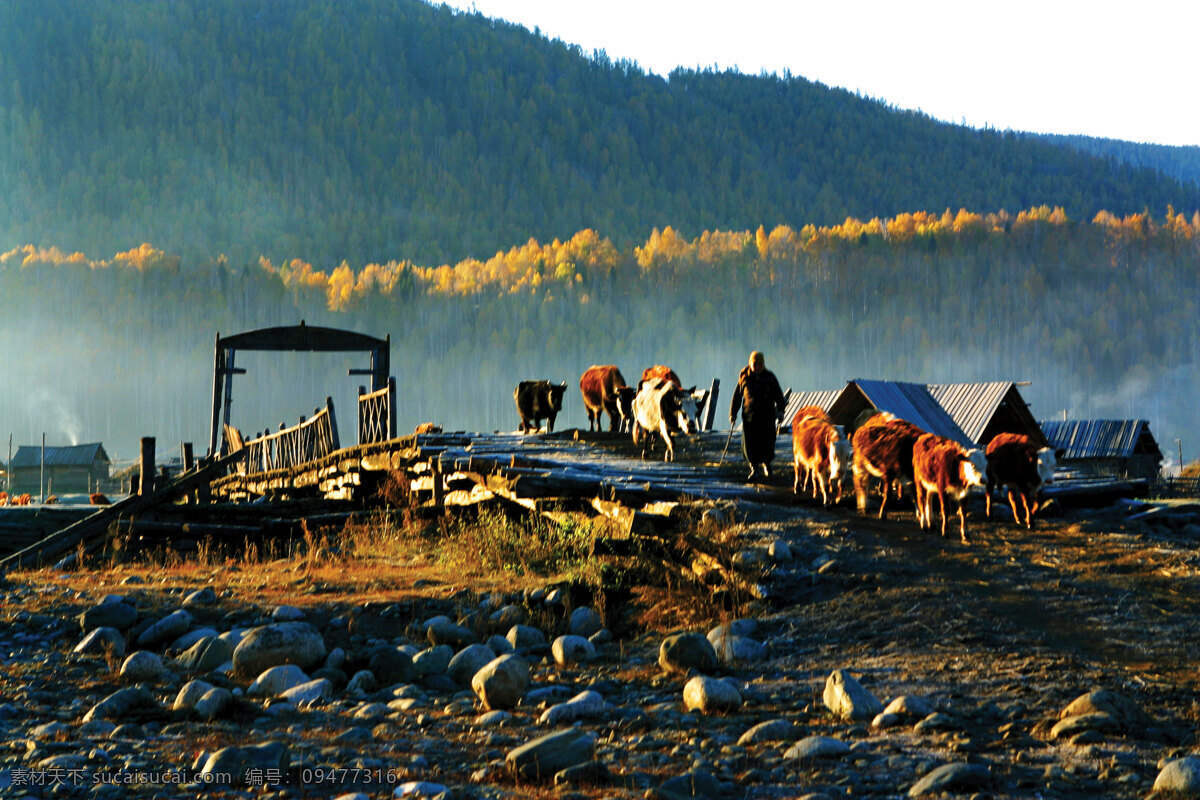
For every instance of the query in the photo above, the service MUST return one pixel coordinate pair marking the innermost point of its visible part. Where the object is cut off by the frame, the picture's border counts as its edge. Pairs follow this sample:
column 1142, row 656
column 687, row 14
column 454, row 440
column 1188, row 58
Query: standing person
column 761, row 402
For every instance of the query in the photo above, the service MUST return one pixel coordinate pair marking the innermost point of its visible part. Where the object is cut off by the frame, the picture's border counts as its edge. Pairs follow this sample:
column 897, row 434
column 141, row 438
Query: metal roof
column 915, row 403
column 798, row 400
column 80, row 455
column 970, row 405
column 1096, row 438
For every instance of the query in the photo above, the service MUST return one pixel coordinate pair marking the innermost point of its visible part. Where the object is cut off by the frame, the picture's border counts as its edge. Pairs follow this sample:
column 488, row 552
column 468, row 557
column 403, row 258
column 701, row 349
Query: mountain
column 1180, row 163
column 385, row 129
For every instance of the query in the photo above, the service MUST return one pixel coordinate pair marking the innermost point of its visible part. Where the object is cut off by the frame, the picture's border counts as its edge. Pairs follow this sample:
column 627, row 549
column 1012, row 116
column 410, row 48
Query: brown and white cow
column 820, row 453
column 882, row 450
column 1014, row 461
column 943, row 467
column 604, row 392
column 538, row 400
column 663, row 408
column 659, row 372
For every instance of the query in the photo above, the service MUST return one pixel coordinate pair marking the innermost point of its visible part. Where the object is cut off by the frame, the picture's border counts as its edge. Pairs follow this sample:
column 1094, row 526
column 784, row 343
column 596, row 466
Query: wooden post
column 189, row 459
column 146, row 483
column 42, row 473
column 439, row 491
column 710, row 406
column 391, row 406
column 361, row 420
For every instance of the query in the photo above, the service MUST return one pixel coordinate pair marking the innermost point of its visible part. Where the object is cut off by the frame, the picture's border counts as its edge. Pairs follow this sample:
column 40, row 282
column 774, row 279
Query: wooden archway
column 291, row 338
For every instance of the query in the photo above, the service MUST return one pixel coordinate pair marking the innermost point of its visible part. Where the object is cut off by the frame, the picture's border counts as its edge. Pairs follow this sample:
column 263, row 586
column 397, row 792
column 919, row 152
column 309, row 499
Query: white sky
column 1116, row 70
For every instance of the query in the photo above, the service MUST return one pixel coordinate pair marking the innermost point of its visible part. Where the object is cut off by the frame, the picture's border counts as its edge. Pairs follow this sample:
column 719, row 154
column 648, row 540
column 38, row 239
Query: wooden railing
column 306, row 441
column 1175, row 487
column 377, row 414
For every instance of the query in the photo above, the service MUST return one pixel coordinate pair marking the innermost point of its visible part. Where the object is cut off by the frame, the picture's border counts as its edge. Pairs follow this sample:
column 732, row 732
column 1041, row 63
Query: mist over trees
column 1098, row 314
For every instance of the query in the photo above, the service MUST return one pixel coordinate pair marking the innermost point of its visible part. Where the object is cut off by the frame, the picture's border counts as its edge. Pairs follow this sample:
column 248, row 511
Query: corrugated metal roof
column 798, row 400
column 971, row 405
column 1094, row 438
column 80, row 455
column 915, row 403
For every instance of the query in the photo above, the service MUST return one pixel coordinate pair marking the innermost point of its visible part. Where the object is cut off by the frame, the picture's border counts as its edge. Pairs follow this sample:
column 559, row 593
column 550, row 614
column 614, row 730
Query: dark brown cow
column 943, row 467
column 604, row 391
column 426, row 428
column 657, row 372
column 98, row 499
column 882, row 450
column 538, row 400
column 820, row 452
column 1015, row 461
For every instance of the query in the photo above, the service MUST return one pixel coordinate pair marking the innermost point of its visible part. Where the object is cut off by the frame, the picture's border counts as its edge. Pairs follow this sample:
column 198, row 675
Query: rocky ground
column 877, row 661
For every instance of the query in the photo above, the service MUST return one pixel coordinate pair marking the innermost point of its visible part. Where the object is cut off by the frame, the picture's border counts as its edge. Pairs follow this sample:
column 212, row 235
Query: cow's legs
column 962, row 519
column 941, row 495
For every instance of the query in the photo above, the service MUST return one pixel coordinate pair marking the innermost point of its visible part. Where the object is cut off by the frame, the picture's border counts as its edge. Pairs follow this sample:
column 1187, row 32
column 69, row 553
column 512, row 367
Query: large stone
column 320, row 689
column 695, row 783
column 116, row 614
column 526, row 638
column 390, row 666
column 206, row 655
column 271, row 645
column 467, row 662
column 142, row 666
column 572, row 649
column 687, row 651
column 121, row 704
column 585, row 705
column 189, row 639
column 237, row 761
column 811, row 748
column 104, row 642
column 1124, row 711
column 541, row 758
column 190, row 694
column 847, row 699
column 213, row 703
column 433, row 660
column 711, row 695
column 201, row 597
column 444, row 631
column 502, row 682
column 775, row 730
column 951, row 778
column 584, row 622
column 167, row 629
column 1096, row 721
column 1179, row 778
column 277, row 680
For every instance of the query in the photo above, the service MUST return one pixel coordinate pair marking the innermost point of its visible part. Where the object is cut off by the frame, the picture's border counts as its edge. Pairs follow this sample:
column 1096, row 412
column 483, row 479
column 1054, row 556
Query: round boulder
column 687, row 651
column 283, row 643
column 502, row 683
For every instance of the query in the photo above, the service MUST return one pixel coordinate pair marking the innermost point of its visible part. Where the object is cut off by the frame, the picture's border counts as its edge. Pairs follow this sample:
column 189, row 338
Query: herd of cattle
column 897, row 453
column 890, row 452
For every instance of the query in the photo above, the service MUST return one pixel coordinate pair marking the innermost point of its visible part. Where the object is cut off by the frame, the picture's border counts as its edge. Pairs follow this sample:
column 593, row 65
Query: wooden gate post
column 146, row 480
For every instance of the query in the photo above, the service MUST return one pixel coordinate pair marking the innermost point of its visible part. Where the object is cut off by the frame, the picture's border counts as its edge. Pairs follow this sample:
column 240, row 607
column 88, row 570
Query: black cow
column 538, row 400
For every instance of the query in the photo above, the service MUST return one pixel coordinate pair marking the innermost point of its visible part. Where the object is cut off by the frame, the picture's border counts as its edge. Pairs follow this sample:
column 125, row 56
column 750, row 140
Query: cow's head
column 841, row 454
column 974, row 467
column 556, row 395
column 689, row 415
column 1046, row 462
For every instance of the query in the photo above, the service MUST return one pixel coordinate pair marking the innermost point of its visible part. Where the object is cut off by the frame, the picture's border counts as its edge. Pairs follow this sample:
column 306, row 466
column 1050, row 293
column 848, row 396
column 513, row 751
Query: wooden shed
column 74, row 469
column 1108, row 448
column 985, row 409
column 908, row 401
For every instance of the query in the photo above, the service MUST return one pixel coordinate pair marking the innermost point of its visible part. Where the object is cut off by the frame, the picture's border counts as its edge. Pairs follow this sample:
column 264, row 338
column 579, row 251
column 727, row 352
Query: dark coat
column 761, row 402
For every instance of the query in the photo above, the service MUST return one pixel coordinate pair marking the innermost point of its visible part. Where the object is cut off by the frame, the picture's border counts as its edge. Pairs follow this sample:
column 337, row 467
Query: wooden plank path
column 571, row 463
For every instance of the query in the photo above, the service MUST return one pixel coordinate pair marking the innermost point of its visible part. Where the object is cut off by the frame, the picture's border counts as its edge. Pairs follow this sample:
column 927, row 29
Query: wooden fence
column 310, row 439
column 1175, row 487
column 377, row 414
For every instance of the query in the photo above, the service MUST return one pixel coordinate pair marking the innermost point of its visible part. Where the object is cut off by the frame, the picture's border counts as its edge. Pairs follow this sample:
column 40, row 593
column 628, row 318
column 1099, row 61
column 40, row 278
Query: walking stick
column 725, row 450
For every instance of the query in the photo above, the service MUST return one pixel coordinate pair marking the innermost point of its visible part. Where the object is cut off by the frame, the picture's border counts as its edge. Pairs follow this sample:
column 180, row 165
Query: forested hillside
column 1099, row 314
column 1181, row 163
column 391, row 129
